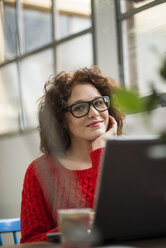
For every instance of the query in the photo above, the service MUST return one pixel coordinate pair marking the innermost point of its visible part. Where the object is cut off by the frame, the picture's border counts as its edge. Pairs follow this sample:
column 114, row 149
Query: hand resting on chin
column 111, row 131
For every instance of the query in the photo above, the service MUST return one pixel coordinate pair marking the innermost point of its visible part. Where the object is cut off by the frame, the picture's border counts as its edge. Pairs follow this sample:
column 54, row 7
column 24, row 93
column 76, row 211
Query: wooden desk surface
column 148, row 243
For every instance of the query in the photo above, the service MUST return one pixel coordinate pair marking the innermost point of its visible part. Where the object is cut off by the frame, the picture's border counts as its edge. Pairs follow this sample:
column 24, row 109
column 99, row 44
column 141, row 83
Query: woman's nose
column 92, row 112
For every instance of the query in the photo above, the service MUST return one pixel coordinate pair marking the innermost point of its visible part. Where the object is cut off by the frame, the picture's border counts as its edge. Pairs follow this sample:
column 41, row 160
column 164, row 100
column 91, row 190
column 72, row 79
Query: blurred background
column 38, row 38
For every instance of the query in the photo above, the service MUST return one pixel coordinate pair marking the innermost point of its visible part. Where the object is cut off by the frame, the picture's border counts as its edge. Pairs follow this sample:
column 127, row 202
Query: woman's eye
column 98, row 102
column 78, row 108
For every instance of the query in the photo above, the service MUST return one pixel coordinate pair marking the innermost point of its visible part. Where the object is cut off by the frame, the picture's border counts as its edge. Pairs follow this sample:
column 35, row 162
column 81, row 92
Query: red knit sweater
column 48, row 187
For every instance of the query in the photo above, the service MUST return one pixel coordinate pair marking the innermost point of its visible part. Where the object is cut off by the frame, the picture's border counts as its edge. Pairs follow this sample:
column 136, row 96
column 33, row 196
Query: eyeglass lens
column 81, row 109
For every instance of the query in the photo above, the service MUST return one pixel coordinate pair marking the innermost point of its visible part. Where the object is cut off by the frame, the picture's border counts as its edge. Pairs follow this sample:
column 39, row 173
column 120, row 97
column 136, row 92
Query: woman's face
column 94, row 124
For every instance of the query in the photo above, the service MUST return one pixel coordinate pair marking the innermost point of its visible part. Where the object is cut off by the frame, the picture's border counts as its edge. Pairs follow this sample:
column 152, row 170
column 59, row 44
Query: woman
column 75, row 118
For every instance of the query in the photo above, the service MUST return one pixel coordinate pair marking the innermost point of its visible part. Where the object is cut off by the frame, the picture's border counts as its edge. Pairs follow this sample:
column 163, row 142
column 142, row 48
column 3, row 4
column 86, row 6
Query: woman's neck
column 77, row 156
column 80, row 150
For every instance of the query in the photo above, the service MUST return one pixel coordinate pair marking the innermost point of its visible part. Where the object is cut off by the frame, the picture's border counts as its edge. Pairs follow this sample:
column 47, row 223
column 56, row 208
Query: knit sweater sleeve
column 36, row 219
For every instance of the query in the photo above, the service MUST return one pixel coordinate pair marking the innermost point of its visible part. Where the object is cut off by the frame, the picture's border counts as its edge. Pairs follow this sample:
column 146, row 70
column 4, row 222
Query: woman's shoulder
column 40, row 163
column 37, row 162
column 41, row 167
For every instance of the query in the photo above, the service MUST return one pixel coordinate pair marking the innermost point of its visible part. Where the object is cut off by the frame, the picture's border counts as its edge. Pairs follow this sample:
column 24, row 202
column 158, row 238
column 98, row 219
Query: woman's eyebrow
column 80, row 101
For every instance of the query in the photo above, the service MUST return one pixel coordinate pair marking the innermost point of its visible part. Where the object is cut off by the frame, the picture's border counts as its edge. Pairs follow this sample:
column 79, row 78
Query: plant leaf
column 127, row 101
column 150, row 102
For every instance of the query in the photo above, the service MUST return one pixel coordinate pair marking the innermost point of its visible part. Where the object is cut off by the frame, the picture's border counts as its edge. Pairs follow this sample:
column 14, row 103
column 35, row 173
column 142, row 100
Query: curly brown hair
column 54, row 135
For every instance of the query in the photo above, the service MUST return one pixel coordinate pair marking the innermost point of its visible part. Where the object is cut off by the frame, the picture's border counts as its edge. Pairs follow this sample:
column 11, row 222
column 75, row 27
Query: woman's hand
column 111, row 131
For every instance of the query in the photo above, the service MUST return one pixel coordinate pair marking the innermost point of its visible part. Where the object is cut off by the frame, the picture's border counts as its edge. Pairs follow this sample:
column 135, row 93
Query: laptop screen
column 131, row 192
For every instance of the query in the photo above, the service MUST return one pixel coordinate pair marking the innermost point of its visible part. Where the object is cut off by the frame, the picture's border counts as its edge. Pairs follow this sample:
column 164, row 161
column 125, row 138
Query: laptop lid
column 131, row 192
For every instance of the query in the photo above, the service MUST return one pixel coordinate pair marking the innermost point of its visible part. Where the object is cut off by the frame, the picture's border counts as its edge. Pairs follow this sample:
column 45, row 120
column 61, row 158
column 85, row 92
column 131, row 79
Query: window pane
column 35, row 70
column 75, row 53
column 8, row 38
column 127, row 5
column 9, row 103
column 72, row 16
column 37, row 24
column 144, row 47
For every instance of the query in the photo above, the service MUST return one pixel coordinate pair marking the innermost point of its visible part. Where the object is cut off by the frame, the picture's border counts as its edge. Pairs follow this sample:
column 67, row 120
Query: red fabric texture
column 47, row 187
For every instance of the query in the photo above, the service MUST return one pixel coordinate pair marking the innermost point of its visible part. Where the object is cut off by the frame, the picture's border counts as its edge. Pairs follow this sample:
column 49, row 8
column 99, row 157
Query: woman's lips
column 95, row 124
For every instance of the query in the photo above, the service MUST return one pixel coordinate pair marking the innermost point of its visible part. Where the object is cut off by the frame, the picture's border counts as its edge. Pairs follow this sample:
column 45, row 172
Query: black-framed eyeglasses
column 82, row 108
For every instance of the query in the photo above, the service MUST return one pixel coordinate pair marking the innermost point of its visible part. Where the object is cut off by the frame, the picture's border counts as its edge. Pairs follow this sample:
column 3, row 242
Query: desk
column 148, row 243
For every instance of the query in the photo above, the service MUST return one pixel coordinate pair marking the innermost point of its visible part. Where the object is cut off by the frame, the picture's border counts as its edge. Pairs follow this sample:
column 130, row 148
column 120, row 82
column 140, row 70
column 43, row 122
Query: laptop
column 131, row 192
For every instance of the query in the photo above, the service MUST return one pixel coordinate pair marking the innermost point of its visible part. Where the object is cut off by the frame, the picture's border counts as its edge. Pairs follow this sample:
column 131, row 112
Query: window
column 9, row 99
column 36, row 25
column 142, row 36
column 37, row 40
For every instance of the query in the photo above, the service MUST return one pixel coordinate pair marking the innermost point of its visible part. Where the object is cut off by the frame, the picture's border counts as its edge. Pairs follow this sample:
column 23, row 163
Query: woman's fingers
column 113, row 128
column 112, row 131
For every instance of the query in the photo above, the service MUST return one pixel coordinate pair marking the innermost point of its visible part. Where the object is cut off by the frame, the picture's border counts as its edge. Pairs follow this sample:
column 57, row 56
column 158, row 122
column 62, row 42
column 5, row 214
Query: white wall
column 16, row 153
